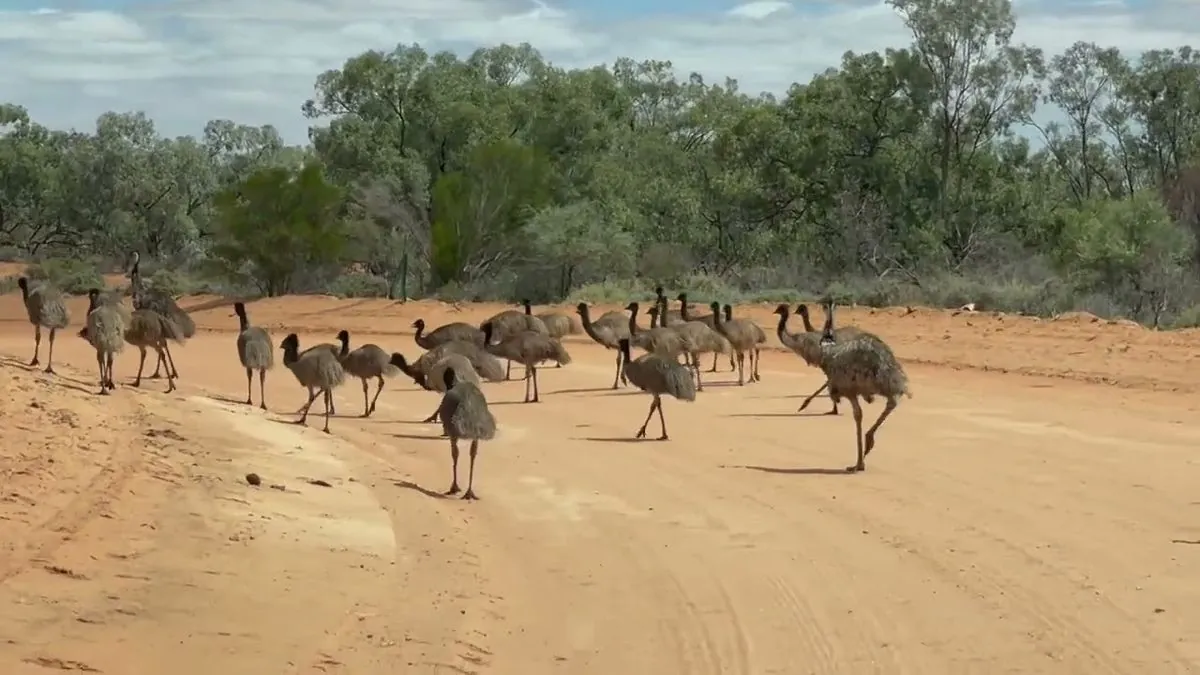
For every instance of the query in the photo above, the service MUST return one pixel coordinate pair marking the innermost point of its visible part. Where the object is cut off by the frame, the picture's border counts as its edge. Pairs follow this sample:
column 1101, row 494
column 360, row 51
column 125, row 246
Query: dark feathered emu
column 465, row 415
column 105, row 330
column 447, row 333
column 255, row 352
column 158, row 301
column 839, row 334
column 46, row 309
column 606, row 331
column 861, row 366
column 528, row 348
column 657, row 376
column 808, row 346
column 317, row 369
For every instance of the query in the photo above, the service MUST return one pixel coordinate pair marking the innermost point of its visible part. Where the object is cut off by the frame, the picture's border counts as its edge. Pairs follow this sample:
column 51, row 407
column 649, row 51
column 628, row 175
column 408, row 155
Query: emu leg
column 714, row 365
column 533, row 374
column 378, row 391
column 170, row 384
column 312, row 396
column 100, row 365
column 262, row 389
column 508, row 371
column 171, row 380
column 620, row 370
column 249, row 386
column 170, row 360
column 157, row 366
column 870, row 437
column 453, row 467
column 741, row 368
column 137, row 381
column 109, row 370
column 662, row 421
column 470, row 493
column 328, row 406
column 366, row 399
column 757, row 357
column 50, row 357
column 653, row 404
column 858, row 436
column 298, row 410
column 37, row 344
column 816, row 393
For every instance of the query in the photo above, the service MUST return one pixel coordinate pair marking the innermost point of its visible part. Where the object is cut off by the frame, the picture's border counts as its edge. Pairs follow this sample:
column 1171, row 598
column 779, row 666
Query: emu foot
column 856, row 468
column 453, row 489
column 469, row 494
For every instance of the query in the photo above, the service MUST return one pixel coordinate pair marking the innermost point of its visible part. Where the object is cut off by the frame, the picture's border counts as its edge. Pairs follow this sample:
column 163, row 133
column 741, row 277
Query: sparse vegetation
column 536, row 181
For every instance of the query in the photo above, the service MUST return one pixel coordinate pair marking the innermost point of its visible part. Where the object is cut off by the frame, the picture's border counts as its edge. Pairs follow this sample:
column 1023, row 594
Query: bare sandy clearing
column 1007, row 524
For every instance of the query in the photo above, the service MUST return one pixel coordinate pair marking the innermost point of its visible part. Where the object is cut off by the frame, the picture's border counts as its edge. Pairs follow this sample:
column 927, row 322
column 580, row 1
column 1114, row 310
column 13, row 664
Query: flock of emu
column 858, row 365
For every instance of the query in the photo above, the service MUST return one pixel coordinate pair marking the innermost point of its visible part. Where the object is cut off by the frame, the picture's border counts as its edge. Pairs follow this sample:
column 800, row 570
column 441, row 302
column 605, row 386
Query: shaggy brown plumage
column 658, row 376
column 46, row 309
column 862, row 366
column 465, row 415
column 606, row 331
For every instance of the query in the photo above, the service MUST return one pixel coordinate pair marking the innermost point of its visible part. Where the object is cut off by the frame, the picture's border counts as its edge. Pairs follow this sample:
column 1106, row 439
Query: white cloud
column 186, row 61
column 759, row 10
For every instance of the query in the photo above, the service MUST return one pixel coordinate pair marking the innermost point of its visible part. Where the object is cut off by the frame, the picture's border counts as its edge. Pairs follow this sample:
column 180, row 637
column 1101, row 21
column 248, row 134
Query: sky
column 185, row 62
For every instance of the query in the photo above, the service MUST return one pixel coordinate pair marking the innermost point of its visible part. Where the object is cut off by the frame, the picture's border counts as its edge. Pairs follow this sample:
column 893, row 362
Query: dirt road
column 1009, row 521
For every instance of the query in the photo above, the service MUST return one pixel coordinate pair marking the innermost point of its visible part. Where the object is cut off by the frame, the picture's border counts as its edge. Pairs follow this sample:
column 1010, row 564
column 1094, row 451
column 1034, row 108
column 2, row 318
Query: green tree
column 277, row 225
column 1129, row 249
column 479, row 211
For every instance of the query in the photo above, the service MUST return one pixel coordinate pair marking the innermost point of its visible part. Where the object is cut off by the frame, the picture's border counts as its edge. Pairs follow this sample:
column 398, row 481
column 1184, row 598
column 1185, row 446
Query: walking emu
column 158, row 301
column 657, row 375
column 255, row 353
column 46, row 309
column 606, row 331
column 862, row 366
column 465, row 415
column 105, row 330
column 317, row 369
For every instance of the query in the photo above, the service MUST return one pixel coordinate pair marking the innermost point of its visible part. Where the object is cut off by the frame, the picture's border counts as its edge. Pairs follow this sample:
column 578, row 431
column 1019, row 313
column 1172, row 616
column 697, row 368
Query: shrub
column 359, row 285
column 74, row 277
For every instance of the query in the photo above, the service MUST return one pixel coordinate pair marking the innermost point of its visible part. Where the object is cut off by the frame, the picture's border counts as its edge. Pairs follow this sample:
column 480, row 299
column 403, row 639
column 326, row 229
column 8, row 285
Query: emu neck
column 683, row 310
column 624, row 353
column 420, row 330
column 633, row 326
column 781, row 329
column 585, row 318
column 243, row 321
column 25, row 293
column 345, row 345
column 408, row 369
column 808, row 327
